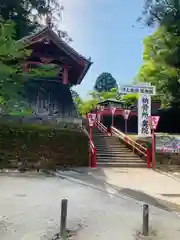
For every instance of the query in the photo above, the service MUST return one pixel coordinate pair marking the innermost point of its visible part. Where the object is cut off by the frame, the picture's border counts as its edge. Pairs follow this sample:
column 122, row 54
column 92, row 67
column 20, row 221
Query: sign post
column 98, row 113
column 126, row 114
column 91, row 120
column 102, row 110
column 153, row 122
column 113, row 110
column 145, row 91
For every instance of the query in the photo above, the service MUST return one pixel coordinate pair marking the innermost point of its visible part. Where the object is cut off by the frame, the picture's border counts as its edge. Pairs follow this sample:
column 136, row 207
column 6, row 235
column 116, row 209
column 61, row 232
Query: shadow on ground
column 170, row 195
column 143, row 197
column 97, row 179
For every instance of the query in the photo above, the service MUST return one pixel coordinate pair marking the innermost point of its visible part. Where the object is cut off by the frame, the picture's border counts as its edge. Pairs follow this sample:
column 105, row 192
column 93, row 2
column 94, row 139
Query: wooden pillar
column 65, row 74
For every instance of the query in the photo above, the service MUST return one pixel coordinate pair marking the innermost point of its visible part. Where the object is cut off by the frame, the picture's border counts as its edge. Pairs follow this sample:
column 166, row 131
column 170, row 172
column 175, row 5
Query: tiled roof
column 49, row 31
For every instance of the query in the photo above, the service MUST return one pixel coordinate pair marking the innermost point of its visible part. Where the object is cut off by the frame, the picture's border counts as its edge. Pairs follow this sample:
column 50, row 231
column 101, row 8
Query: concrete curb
column 167, row 174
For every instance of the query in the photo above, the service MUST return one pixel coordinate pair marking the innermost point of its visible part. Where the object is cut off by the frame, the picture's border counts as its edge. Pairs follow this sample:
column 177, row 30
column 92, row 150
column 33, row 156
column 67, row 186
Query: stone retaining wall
column 163, row 158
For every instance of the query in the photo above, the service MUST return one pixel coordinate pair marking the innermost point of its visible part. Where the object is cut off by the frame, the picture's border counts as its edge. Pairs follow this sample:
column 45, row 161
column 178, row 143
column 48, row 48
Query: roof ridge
column 46, row 28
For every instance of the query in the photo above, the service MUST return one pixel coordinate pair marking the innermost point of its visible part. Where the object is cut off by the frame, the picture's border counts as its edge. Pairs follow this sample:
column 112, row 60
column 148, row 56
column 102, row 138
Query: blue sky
column 103, row 30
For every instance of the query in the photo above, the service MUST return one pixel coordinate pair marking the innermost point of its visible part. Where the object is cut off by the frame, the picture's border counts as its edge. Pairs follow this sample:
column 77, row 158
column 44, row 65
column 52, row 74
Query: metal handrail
column 140, row 148
column 92, row 146
column 127, row 139
column 92, row 162
column 101, row 127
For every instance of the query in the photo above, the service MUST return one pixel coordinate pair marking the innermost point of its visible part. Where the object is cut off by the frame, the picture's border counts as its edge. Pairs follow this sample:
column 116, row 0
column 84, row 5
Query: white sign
column 145, row 91
column 144, row 111
column 113, row 109
column 91, row 119
column 142, row 89
column 126, row 113
column 153, row 121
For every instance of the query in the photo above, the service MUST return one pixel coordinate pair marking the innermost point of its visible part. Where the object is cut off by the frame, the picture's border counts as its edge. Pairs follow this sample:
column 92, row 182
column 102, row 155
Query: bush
column 42, row 145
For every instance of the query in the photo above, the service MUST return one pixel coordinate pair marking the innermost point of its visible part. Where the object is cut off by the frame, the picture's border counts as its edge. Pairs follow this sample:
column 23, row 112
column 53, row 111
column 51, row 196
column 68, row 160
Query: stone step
column 135, row 160
column 113, row 148
column 118, row 159
column 105, row 137
column 109, row 144
column 122, row 154
column 109, row 158
column 121, row 161
column 112, row 152
column 119, row 164
column 118, row 149
column 109, row 152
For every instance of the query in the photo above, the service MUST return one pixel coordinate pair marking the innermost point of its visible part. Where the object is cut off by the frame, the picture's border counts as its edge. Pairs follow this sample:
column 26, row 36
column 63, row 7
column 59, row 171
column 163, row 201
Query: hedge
column 43, row 145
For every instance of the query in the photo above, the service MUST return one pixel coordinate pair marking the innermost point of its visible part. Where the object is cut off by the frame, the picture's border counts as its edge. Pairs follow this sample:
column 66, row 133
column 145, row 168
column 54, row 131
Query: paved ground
column 141, row 184
column 170, row 170
column 146, row 185
column 30, row 208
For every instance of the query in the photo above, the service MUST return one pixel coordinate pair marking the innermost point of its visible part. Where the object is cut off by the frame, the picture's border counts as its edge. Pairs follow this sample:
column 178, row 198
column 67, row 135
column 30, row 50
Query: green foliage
column 32, row 143
column 85, row 106
column 105, row 82
column 161, row 65
column 12, row 78
column 74, row 94
column 27, row 14
column 21, row 112
column 45, row 70
column 163, row 12
column 77, row 101
column 112, row 93
column 130, row 99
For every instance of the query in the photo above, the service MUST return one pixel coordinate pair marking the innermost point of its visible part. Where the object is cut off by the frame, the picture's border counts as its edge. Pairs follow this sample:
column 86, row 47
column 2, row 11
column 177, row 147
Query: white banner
column 126, row 113
column 113, row 109
column 153, row 121
column 91, row 119
column 144, row 111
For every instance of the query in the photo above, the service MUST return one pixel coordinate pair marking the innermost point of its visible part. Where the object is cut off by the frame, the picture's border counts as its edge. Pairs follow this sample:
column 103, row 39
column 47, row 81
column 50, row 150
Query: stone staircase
column 114, row 153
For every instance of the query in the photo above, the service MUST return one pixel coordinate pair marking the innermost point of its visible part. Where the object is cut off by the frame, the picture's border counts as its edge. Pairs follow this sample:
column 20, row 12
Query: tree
column 163, row 12
column 105, row 82
column 86, row 106
column 77, row 100
column 113, row 93
column 167, row 14
column 74, row 94
column 27, row 15
column 12, row 78
column 160, row 65
column 130, row 100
